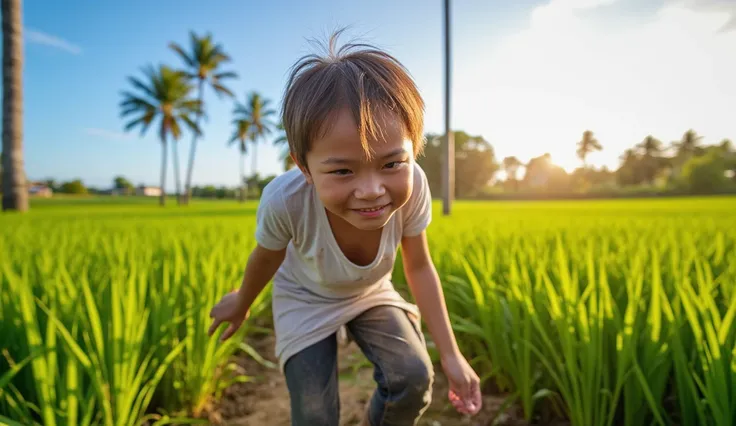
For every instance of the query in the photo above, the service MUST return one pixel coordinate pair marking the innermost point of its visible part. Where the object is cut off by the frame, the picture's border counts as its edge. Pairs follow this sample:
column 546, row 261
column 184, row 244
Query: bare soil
column 264, row 400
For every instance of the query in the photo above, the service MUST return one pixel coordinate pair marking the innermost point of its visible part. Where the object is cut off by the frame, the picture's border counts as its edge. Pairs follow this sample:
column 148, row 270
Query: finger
column 467, row 402
column 477, row 397
column 474, row 401
column 229, row 332
column 214, row 326
column 457, row 401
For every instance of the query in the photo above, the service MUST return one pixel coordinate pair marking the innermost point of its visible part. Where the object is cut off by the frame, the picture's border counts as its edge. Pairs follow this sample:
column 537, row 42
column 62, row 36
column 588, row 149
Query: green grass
column 602, row 312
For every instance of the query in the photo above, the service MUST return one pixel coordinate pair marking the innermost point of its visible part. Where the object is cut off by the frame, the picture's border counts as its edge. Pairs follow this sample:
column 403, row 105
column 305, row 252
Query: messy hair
column 359, row 77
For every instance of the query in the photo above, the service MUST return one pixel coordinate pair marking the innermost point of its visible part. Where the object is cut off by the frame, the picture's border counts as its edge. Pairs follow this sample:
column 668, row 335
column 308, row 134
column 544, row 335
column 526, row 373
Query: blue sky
column 529, row 75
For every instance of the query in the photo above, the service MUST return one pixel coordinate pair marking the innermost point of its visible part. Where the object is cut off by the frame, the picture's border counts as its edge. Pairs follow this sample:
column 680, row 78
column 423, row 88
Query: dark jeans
column 403, row 372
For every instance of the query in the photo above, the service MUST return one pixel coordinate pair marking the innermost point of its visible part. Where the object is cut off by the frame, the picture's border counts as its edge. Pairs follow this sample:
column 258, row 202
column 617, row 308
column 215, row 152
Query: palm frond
column 225, row 75
column 191, row 124
column 135, row 103
column 193, row 106
column 174, row 128
column 142, row 87
column 220, row 90
column 144, row 121
column 218, row 57
column 182, row 54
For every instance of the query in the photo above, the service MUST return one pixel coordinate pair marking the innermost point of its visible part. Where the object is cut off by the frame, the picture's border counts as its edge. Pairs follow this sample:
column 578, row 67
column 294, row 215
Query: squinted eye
column 394, row 164
column 340, row 172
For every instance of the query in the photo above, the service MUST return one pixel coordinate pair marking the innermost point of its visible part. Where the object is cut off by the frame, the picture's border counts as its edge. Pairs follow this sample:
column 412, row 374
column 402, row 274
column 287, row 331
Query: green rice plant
column 121, row 315
column 712, row 371
column 601, row 312
column 498, row 319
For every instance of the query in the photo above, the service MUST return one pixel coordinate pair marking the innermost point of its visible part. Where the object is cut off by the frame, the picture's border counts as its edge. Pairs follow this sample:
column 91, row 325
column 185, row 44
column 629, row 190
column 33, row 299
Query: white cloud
column 45, row 39
column 728, row 6
column 570, row 71
column 107, row 134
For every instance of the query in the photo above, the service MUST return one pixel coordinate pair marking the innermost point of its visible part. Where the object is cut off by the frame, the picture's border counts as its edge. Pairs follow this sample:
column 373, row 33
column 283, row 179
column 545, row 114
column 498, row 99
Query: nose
column 370, row 187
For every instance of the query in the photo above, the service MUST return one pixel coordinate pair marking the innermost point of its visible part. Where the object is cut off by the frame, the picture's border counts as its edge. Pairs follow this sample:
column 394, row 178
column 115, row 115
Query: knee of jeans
column 314, row 409
column 414, row 380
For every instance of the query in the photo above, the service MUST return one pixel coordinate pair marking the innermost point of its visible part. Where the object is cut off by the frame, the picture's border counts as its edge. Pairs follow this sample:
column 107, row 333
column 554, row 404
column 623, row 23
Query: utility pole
column 448, row 172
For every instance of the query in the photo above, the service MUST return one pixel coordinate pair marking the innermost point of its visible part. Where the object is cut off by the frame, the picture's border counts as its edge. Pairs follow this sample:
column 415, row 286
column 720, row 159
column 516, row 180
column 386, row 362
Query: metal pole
column 448, row 174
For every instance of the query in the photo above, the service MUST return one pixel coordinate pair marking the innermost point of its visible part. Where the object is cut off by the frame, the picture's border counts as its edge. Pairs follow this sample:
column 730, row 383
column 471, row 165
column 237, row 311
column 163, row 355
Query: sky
column 527, row 75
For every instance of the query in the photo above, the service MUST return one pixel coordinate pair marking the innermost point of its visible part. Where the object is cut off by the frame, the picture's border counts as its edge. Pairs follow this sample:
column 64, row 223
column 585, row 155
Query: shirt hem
column 306, row 340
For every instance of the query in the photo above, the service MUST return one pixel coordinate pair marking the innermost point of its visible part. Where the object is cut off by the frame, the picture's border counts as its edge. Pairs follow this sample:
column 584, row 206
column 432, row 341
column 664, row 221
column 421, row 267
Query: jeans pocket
column 417, row 325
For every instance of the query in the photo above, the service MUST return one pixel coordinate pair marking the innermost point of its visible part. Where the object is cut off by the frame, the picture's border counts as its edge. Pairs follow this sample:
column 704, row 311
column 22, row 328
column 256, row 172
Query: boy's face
column 362, row 192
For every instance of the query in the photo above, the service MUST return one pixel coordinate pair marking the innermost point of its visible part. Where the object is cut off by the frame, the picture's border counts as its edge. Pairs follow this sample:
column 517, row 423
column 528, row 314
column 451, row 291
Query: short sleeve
column 273, row 230
column 419, row 207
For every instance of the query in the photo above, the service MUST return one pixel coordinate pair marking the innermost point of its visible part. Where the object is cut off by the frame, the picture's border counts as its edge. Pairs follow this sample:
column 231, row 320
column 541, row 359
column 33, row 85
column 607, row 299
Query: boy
column 328, row 232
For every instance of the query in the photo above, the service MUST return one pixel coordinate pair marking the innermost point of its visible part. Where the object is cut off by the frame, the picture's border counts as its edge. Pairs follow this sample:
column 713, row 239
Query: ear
column 304, row 170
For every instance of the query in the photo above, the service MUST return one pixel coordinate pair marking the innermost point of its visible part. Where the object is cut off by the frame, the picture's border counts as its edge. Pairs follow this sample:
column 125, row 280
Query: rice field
column 597, row 312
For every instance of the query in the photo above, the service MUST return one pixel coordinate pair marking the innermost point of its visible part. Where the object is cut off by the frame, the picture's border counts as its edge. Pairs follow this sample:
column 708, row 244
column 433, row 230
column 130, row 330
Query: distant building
column 148, row 191
column 40, row 190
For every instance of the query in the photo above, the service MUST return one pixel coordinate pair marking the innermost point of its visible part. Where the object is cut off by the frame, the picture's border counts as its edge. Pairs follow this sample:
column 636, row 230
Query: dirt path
column 265, row 399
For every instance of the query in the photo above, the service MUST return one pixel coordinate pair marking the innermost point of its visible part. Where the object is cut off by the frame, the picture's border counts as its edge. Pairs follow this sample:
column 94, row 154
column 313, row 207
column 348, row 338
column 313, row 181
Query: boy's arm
column 261, row 266
column 424, row 284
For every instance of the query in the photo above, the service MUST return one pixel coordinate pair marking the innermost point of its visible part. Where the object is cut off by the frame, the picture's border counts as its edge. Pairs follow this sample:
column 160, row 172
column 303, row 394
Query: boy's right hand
column 230, row 309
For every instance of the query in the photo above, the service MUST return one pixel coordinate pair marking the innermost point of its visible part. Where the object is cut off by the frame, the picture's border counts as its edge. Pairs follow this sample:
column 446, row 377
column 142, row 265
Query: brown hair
column 360, row 77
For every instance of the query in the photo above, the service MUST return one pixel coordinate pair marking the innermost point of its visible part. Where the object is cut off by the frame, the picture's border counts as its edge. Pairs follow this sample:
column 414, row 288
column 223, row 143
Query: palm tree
column 650, row 146
column 14, row 190
column 165, row 95
column 587, row 145
column 202, row 64
column 281, row 140
column 257, row 112
column 242, row 130
column 650, row 149
column 511, row 167
column 687, row 146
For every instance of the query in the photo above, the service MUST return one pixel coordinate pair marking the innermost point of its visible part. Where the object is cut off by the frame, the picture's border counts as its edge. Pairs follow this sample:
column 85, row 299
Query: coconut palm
column 14, row 190
column 203, row 63
column 165, row 94
column 650, row 146
column 240, row 134
column 257, row 111
column 688, row 146
column 651, row 162
column 587, row 145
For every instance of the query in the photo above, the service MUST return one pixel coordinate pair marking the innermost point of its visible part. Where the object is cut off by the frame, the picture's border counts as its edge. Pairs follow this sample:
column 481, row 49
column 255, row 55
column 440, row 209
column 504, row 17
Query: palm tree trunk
column 193, row 148
column 14, row 190
column 242, row 177
column 177, row 177
column 162, row 197
column 254, row 158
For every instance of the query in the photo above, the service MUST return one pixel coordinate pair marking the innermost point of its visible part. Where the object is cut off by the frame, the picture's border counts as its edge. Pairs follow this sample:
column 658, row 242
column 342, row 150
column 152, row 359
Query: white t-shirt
column 317, row 289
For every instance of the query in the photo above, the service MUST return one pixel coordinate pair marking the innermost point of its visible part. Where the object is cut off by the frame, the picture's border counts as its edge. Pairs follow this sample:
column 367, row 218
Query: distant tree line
column 686, row 166
column 683, row 167
column 121, row 186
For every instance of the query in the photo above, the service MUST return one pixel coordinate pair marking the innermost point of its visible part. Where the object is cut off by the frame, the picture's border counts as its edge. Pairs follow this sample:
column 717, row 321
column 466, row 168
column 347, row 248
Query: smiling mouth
column 373, row 209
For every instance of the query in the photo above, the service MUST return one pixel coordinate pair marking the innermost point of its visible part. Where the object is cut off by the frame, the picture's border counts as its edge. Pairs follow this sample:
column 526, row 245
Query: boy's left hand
column 464, row 383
